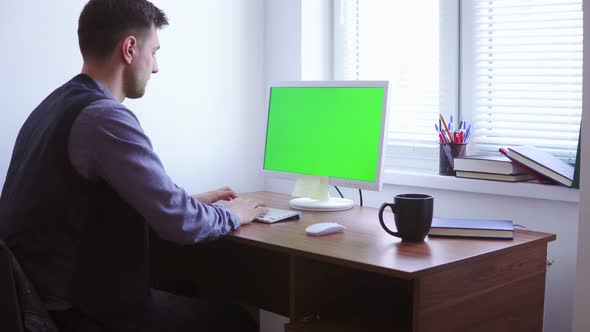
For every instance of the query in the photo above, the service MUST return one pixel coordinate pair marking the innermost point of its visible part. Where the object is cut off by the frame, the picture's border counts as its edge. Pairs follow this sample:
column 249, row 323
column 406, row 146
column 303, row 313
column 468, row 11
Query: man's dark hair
column 103, row 23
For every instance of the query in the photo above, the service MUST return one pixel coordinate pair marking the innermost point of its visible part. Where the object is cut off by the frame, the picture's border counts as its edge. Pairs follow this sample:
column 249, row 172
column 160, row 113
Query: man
column 84, row 184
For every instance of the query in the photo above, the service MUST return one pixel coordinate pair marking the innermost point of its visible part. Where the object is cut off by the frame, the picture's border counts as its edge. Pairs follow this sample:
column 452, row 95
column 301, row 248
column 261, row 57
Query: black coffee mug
column 413, row 216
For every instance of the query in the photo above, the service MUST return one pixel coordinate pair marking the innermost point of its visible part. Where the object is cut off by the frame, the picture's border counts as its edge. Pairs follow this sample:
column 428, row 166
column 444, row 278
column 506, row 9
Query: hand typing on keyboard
column 274, row 215
column 246, row 209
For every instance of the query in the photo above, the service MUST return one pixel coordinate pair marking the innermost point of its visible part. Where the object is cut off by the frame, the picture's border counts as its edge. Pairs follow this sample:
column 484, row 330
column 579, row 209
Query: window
column 522, row 77
column 384, row 40
column 517, row 78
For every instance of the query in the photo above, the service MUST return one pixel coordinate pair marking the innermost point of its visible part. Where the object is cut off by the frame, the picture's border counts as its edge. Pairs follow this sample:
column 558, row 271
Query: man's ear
column 129, row 49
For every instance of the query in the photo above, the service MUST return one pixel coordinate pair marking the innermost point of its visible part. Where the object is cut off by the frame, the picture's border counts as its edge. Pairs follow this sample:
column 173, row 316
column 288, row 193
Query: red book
column 529, row 171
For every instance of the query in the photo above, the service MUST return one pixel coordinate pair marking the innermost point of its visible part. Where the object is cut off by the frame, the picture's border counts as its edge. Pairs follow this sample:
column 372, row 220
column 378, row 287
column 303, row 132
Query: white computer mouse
column 324, row 228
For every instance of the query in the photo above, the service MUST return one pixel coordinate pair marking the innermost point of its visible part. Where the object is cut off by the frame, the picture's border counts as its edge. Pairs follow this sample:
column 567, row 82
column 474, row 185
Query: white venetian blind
column 396, row 41
column 523, row 84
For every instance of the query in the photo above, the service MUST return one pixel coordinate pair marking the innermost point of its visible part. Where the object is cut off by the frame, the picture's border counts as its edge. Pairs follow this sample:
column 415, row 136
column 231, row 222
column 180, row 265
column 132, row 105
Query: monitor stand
column 314, row 195
column 330, row 204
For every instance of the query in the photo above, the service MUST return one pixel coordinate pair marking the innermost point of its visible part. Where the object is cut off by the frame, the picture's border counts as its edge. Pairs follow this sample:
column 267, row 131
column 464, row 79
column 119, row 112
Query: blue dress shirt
column 107, row 142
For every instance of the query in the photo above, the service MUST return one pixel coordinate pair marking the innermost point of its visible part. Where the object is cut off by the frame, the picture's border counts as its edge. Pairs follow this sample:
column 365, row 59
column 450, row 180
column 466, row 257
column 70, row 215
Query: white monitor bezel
column 377, row 185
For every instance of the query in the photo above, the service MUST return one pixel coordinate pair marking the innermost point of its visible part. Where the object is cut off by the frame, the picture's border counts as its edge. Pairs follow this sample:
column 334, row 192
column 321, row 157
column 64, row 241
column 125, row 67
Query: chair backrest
column 10, row 313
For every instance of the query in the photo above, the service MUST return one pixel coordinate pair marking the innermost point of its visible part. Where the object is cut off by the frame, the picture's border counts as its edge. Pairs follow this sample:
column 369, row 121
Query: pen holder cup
column 447, row 154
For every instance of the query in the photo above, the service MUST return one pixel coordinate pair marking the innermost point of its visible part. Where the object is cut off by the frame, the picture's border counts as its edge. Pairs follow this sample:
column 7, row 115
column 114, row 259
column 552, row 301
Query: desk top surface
column 365, row 245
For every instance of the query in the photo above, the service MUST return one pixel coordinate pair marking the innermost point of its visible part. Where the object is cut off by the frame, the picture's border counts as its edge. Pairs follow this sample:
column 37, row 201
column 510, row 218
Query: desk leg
column 501, row 292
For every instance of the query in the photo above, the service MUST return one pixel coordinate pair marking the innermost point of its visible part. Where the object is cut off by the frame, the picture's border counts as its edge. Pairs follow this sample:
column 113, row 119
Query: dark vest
column 75, row 239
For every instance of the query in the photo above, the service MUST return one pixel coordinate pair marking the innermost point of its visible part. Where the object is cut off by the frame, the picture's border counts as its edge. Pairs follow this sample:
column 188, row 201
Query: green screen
column 324, row 131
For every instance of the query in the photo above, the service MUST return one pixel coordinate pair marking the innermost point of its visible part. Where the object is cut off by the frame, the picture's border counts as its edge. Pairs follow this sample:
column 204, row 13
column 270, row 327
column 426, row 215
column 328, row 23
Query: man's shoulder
column 109, row 111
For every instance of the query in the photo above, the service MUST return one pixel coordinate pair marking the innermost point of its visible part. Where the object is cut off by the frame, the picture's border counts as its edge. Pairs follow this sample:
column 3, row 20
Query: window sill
column 515, row 189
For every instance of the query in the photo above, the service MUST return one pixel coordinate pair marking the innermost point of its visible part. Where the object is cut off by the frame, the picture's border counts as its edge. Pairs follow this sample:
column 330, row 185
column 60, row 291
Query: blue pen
column 451, row 123
column 468, row 132
column 440, row 134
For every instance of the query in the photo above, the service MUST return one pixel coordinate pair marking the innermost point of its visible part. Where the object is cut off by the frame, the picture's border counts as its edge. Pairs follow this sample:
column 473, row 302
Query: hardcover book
column 541, row 162
column 482, row 228
column 494, row 176
column 497, row 164
column 537, row 176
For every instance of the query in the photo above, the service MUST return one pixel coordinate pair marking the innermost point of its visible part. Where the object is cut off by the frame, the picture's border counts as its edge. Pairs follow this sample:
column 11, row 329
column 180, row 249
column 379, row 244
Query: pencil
column 442, row 119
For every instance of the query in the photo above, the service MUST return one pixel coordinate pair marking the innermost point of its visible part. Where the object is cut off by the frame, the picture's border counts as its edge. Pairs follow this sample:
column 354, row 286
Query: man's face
column 144, row 64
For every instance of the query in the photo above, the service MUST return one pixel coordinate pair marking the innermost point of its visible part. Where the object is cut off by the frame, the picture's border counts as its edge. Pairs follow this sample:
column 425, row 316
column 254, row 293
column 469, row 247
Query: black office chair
column 10, row 313
column 20, row 307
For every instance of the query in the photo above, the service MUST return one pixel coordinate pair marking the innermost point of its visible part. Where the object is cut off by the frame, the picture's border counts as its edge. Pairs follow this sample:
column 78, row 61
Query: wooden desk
column 366, row 280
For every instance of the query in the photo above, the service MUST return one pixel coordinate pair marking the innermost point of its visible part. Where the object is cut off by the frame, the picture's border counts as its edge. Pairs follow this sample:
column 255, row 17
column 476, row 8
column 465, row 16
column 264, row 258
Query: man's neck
column 109, row 77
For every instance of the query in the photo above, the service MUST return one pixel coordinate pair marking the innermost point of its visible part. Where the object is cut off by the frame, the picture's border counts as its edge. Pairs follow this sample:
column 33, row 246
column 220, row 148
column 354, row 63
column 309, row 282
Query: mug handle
column 383, row 206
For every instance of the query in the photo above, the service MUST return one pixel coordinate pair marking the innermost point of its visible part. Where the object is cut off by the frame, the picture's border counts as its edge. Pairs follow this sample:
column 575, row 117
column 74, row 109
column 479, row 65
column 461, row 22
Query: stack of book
column 520, row 163
column 486, row 167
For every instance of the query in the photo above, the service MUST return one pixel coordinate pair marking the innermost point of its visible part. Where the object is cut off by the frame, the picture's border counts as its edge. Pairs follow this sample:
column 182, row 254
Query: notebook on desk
column 482, row 228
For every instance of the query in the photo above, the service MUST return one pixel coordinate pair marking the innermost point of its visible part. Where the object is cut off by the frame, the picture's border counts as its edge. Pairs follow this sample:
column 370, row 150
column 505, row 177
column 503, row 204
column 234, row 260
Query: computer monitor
column 333, row 129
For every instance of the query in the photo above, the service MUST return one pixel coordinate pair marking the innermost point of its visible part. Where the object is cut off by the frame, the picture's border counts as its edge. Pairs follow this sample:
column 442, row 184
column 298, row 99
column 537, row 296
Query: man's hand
column 221, row 194
column 246, row 209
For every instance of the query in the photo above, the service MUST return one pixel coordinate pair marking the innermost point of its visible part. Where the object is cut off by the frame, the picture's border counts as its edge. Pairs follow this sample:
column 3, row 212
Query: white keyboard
column 274, row 215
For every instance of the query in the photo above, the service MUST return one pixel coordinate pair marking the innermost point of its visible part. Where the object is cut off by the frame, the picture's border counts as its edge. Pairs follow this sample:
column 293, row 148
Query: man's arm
column 107, row 143
column 221, row 194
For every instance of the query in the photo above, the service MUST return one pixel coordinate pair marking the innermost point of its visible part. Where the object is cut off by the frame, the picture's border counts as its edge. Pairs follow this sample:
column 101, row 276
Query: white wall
column 559, row 217
column 204, row 108
column 202, row 111
column 39, row 52
column 282, row 29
